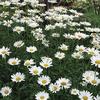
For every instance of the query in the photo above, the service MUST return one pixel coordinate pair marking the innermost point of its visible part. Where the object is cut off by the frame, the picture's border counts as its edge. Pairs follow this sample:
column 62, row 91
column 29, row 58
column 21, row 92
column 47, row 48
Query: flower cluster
column 49, row 54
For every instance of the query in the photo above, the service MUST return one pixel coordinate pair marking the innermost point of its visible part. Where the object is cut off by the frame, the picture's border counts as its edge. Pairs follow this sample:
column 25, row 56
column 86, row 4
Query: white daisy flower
column 7, row 23
column 60, row 55
column 18, row 29
column 4, row 51
column 42, row 95
column 18, row 77
column 80, row 48
column 14, row 61
column 29, row 62
column 31, row 49
column 95, row 81
column 96, row 43
column 5, row 91
column 85, row 95
column 89, row 75
column 63, row 47
column 85, row 23
column 33, row 24
column 68, row 36
column 38, row 36
column 54, row 88
column 5, row 3
column 74, row 91
column 79, row 35
column 64, row 83
column 18, row 44
column 44, row 80
column 92, row 51
column 34, row 70
column 55, row 35
column 95, row 60
column 77, row 55
column 45, row 42
column 46, row 62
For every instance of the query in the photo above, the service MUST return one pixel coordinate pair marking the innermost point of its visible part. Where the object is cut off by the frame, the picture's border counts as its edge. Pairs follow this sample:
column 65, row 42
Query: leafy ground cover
column 64, row 45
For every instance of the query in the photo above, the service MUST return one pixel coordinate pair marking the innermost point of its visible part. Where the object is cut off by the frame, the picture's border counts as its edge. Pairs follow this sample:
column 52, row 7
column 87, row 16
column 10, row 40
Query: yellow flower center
column 35, row 71
column 3, row 52
column 85, row 98
column 6, row 91
column 46, row 65
column 31, row 49
column 81, row 49
column 18, row 78
column 54, row 88
column 18, row 30
column 94, row 81
column 42, row 97
column 18, row 45
column 44, row 81
column 14, row 62
column 63, row 83
column 97, row 61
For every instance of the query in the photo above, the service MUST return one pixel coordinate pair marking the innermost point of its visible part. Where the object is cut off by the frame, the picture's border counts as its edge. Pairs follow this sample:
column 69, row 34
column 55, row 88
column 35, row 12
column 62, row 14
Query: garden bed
column 48, row 55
